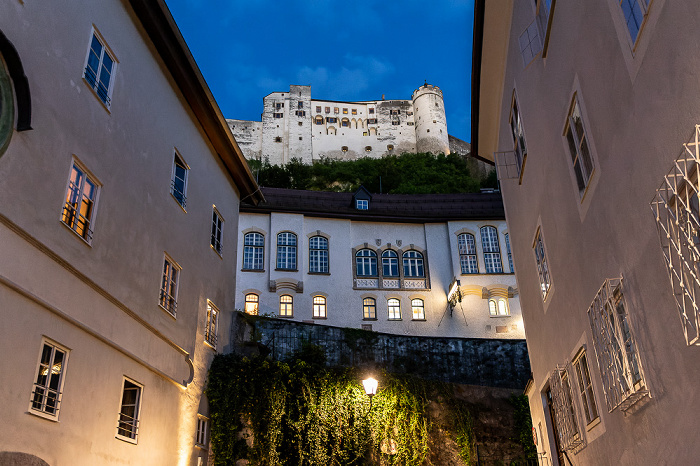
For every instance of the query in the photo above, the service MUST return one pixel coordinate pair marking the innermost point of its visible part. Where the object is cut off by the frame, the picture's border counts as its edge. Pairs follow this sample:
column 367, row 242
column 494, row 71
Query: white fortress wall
column 249, row 136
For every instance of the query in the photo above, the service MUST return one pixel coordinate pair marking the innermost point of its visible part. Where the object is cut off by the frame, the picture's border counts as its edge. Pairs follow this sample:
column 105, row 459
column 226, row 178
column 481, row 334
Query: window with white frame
column 585, row 388
column 217, row 231
column 369, row 308
column 286, row 251
column 48, row 384
column 518, row 134
column 530, row 42
column 366, row 263
column 492, row 250
column 616, row 348
column 634, row 13
column 318, row 254
column 544, row 13
column 566, row 421
column 169, row 285
column 418, row 309
column 81, row 202
column 253, row 251
column 178, row 184
column 319, row 307
column 128, row 425
column 211, row 331
column 578, row 146
column 390, row 263
column 394, row 307
column 361, row 204
column 542, row 267
column 467, row 253
column 413, row 264
column 498, row 307
column 252, row 301
column 99, row 69
column 201, row 437
column 510, row 255
column 286, row 306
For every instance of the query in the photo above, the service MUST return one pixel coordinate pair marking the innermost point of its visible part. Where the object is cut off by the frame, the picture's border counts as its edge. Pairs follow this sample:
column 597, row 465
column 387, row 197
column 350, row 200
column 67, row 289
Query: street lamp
column 370, row 385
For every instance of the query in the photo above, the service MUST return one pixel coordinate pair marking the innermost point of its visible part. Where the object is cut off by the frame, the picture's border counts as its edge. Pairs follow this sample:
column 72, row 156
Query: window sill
column 319, row 273
column 76, row 233
column 370, row 318
column 218, row 253
column 498, row 317
column 43, row 415
column 133, row 441
column 201, row 447
column 286, row 317
column 178, row 202
column 418, row 320
column 253, row 270
column 286, row 270
column 593, row 423
column 210, row 345
column 174, row 316
column 319, row 318
column 395, row 320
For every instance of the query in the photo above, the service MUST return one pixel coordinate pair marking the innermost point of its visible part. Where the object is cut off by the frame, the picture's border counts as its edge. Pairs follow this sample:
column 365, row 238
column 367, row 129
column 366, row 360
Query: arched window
column 253, row 251
column 418, row 308
column 252, row 302
column 390, row 263
column 319, row 307
column 413, row 264
column 318, row 120
column 345, row 123
column 394, row 306
column 286, row 306
column 498, row 307
column 369, row 308
column 318, row 254
column 287, row 251
column 331, row 130
column 366, row 263
column 467, row 253
column 492, row 252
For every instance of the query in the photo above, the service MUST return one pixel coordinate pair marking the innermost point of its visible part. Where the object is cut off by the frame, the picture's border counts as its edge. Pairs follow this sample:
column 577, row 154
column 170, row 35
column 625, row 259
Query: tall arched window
column 253, row 251
column 252, row 301
column 492, row 252
column 467, row 253
column 390, row 263
column 418, row 308
column 413, row 264
column 369, row 308
column 287, row 251
column 318, row 254
column 319, row 307
column 366, row 263
column 394, row 307
column 286, row 306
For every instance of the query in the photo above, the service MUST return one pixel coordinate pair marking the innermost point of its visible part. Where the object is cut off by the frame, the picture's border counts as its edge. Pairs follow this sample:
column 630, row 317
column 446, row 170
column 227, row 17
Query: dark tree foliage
column 423, row 173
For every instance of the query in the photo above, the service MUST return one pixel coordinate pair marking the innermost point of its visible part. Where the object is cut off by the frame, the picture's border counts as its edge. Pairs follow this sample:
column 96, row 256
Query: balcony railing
column 168, row 302
column 178, row 194
column 46, row 399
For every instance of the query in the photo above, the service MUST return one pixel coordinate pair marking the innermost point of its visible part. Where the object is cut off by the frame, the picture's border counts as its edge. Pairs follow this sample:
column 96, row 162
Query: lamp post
column 370, row 385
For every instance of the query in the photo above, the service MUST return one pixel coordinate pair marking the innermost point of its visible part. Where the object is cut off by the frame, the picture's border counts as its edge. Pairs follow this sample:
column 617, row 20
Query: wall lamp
column 455, row 294
column 370, row 385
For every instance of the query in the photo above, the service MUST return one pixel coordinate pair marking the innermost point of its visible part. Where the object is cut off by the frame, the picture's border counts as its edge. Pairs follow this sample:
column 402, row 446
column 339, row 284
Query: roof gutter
column 477, row 49
column 170, row 45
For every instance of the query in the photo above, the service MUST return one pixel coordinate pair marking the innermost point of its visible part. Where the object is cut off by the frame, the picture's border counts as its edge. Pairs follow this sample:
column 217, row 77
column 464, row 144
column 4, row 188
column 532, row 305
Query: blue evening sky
column 346, row 50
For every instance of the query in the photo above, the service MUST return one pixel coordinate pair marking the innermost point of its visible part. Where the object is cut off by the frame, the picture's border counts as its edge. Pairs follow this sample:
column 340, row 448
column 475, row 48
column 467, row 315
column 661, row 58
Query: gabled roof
column 399, row 208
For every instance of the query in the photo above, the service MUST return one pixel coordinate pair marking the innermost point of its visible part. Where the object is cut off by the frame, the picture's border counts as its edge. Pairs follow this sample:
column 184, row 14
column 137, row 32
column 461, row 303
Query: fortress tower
column 431, row 123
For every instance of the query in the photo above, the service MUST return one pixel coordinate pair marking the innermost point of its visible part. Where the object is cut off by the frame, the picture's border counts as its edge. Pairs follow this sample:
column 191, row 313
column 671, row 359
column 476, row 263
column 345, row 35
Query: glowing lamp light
column 370, row 385
column 454, row 291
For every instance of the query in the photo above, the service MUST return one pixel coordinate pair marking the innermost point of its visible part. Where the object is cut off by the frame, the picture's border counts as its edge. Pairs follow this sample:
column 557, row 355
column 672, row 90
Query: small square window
column 278, row 138
column 318, row 109
column 354, row 111
column 99, row 69
column 368, row 148
column 345, row 111
column 300, row 104
column 81, row 202
column 128, row 426
column 344, row 148
column 217, row 231
column 278, row 115
column 301, row 123
column 169, row 286
column 371, row 111
column 361, row 204
column 335, row 110
column 178, row 185
column 328, row 110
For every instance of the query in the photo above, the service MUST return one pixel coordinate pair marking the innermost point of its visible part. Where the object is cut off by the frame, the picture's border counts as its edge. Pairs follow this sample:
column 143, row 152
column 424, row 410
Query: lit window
column 492, row 251
column 578, row 147
column 361, row 204
column 366, row 263
column 413, row 264
column 212, row 329
column 510, row 255
column 634, row 12
column 354, row 111
column 390, row 263
column 467, row 253
column 345, row 111
column 418, row 309
column 328, row 110
column 335, row 110
column 129, row 413
column 368, row 148
column 287, row 251
column 493, row 308
column 252, row 302
column 169, row 285
column 318, row 254
column 590, row 410
column 178, row 185
column 394, row 306
column 344, row 148
column 319, row 307
column 202, row 431
column 542, row 267
column 498, row 307
column 516, row 129
column 318, row 120
column 286, row 306
column 81, row 201
column 369, row 308
column 253, row 251
column 99, row 69
column 217, row 231
column 48, row 384
column 389, row 147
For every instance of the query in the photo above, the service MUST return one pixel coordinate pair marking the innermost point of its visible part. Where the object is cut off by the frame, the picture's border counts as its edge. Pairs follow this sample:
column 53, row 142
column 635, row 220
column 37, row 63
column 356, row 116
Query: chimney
column 382, row 96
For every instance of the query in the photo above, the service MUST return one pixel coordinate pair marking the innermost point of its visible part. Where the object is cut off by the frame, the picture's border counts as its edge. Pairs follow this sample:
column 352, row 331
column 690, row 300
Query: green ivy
column 523, row 425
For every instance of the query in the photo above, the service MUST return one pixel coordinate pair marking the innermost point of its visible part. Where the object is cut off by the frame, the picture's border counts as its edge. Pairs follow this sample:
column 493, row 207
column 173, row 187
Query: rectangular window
column 278, row 115
column 178, row 185
column 467, row 253
column 530, row 44
column 81, row 201
column 328, row 110
column 354, row 111
column 318, row 109
column 585, row 388
column 563, row 409
column 361, row 204
column 169, row 285
column 286, row 306
column 253, row 251
column 319, row 309
column 99, row 69
column 128, row 426
column 634, row 13
column 217, row 231
column 372, row 121
column 345, row 111
column 287, row 251
column 335, row 110
column 212, row 329
column 201, row 438
column 516, row 129
column 371, row 111
column 492, row 250
column 542, row 267
column 318, row 254
column 410, row 123
column 48, row 384
column 578, row 147
column 544, row 21
column 369, row 308
column 279, row 105
column 394, row 306
column 300, row 113
column 418, row 309
column 300, row 104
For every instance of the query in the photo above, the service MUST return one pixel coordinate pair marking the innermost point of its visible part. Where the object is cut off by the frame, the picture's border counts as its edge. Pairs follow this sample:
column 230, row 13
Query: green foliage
column 461, row 427
column 523, row 425
column 398, row 174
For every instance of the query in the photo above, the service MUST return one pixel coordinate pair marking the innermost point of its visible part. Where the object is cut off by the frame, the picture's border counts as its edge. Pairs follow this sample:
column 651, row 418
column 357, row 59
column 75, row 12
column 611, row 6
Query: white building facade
column 380, row 262
column 296, row 126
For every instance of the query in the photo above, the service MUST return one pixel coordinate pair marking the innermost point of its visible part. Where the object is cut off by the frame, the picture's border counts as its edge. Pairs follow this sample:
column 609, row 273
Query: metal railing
column 46, row 399
column 127, row 426
column 168, row 302
column 91, row 78
column 76, row 222
column 178, row 194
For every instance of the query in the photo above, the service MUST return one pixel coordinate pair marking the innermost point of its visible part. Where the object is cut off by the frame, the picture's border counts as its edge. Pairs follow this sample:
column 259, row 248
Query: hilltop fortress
column 296, row 126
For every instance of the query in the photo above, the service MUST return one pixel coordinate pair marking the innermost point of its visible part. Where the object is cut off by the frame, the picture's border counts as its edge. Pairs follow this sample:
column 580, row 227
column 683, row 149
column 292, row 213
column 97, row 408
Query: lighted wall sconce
column 455, row 294
column 370, row 385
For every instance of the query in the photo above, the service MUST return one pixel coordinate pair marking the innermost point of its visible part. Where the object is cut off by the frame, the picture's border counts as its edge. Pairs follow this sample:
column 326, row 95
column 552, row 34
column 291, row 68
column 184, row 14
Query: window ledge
column 218, row 253
column 319, row 273
column 499, row 317
column 370, row 318
column 319, row 318
column 43, row 415
column 178, row 202
column 286, row 317
column 253, row 270
column 76, row 233
column 209, row 344
column 174, row 316
column 286, row 270
column 418, row 320
column 133, row 441
column 593, row 423
column 394, row 320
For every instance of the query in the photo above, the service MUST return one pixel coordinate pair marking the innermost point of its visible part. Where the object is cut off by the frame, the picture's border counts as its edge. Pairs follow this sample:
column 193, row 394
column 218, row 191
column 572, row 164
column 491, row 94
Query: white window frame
column 366, row 263
column 509, row 253
column 413, row 264
column 79, row 209
column 169, row 285
column 217, row 231
column 491, row 248
column 95, row 83
column 251, row 306
column 201, row 438
column 361, row 204
column 515, row 121
column 286, row 251
column 179, row 194
column 320, row 307
column 254, row 251
column 585, row 388
column 542, row 264
column 468, row 262
column 369, row 308
column 544, row 13
column 286, row 306
column 390, row 261
column 318, row 254
column 499, row 307
column 418, row 309
column 45, row 390
column 394, row 308
column 582, row 161
column 130, row 423
column 211, row 331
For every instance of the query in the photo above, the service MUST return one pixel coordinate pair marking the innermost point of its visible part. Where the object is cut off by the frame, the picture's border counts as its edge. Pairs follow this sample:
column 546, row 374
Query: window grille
column 616, row 347
column 128, row 424
column 46, row 395
column 568, row 429
column 99, row 70
column 211, row 331
column 168, row 287
column 676, row 209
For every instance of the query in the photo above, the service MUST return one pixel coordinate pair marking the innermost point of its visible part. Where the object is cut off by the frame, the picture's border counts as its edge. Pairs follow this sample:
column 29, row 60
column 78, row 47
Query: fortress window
column 371, row 111
column 436, row 104
column 332, row 120
column 345, row 122
column 428, row 130
column 319, row 120
column 335, row 110
column 395, row 122
column 368, row 149
column 409, row 113
column 279, row 105
column 345, row 111
column 318, row 109
column 434, row 121
column 278, row 115
column 301, row 113
column 328, row 110
column 390, row 147
column 344, row 148
column 278, row 139
column 365, row 133
column 354, row 111
column 410, row 123
column 300, row 138
column 372, row 121
column 300, row 104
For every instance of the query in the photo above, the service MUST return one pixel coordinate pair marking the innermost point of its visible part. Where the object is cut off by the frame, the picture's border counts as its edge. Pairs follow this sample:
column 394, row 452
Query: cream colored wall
column 111, row 301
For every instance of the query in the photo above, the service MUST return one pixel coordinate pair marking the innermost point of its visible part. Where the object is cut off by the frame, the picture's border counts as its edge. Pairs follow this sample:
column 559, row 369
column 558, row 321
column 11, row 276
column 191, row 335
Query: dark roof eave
column 368, row 217
column 170, row 45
